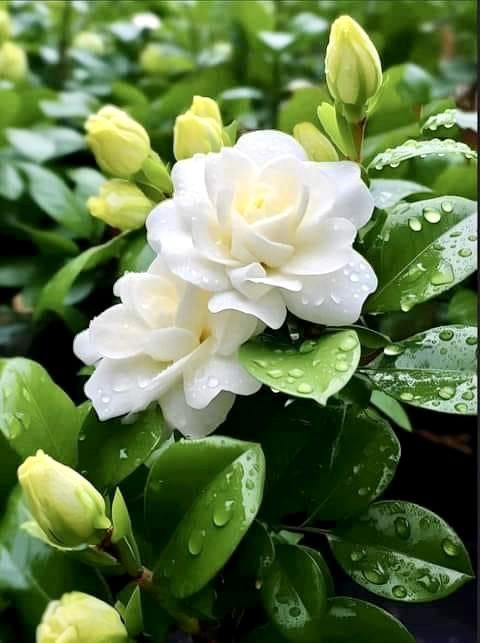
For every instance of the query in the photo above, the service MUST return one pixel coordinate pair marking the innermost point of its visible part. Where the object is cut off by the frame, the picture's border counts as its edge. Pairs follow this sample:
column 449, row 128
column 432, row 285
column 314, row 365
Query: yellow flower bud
column 317, row 146
column 120, row 144
column 80, row 618
column 89, row 41
column 352, row 67
column 5, row 26
column 68, row 509
column 13, row 62
column 199, row 130
column 120, row 204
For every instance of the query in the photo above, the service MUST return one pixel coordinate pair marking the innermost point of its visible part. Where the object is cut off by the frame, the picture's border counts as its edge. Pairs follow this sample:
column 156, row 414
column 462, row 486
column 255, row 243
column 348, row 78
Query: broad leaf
column 412, row 149
column 436, row 370
column 205, row 512
column 388, row 192
column 317, row 369
column 294, row 593
column 421, row 249
column 35, row 413
column 401, row 551
column 110, row 451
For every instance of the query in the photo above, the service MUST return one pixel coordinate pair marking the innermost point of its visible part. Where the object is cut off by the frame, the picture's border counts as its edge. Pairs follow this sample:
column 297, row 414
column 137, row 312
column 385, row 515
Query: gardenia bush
column 250, row 312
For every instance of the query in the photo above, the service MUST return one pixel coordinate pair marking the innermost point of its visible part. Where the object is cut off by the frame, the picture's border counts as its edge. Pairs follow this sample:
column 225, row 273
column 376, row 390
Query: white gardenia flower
column 161, row 343
column 267, row 230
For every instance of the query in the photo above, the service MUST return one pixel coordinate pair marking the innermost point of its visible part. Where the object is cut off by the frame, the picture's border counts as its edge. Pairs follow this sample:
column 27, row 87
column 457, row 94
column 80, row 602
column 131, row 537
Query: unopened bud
column 316, row 144
column 90, row 41
column 13, row 62
column 199, row 130
column 121, row 204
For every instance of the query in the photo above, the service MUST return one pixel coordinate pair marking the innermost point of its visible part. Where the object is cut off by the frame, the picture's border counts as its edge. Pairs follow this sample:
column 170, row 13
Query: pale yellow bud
column 352, row 67
column 121, row 204
column 316, row 145
column 89, row 41
column 13, row 62
column 68, row 509
column 199, row 130
column 5, row 26
column 120, row 144
column 81, row 618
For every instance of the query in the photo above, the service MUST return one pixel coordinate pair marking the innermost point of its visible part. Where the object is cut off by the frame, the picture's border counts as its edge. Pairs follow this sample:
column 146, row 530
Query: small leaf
column 122, row 527
column 317, row 369
column 349, row 619
column 11, row 183
column 413, row 149
column 388, row 192
column 294, row 593
column 435, row 370
column 205, row 514
column 54, row 293
column 133, row 613
column 402, row 551
column 392, row 409
column 110, row 451
column 35, row 413
column 421, row 249
column 330, row 121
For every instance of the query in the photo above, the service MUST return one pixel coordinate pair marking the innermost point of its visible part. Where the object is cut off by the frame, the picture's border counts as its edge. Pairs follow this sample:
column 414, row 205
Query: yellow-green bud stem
column 121, row 204
column 81, row 618
column 157, row 174
column 68, row 509
column 316, row 144
column 120, row 144
column 352, row 67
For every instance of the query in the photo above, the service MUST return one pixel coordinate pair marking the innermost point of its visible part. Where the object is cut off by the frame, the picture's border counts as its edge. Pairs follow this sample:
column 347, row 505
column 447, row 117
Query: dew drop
column 407, row 302
column 123, row 454
column 304, row 388
column 464, row 252
column 307, row 346
column 296, row 372
column 195, row 542
column 348, row 343
column 472, row 237
column 105, row 399
column 406, row 396
column 357, row 555
column 443, row 277
column 415, row 224
column 468, row 395
column 260, row 362
column 376, row 575
column 461, row 407
column 354, row 277
column 363, row 491
column 223, row 513
column 446, row 392
column 402, row 528
column 446, row 334
column 449, row 547
column 447, row 207
column 399, row 591
column 341, row 367
column 472, row 340
column 294, row 611
column 212, row 382
column 431, row 215
column 393, row 349
column 275, row 373
column 250, row 484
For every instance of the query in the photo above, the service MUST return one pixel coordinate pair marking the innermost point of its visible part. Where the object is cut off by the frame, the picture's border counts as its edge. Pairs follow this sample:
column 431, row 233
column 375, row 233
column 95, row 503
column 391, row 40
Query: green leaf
column 11, row 183
column 35, row 413
column 48, row 242
column 449, row 118
column 462, row 308
column 317, row 369
column 110, row 451
column 419, row 250
column 388, row 192
column 301, row 107
column 44, row 144
column 294, row 593
column 334, row 128
column 52, row 195
column 435, row 370
column 206, row 513
column 56, row 290
column 392, row 409
column 413, row 149
column 138, row 255
column 349, row 619
column 17, row 271
column 328, row 462
column 133, row 613
column 326, row 573
column 402, row 551
column 33, row 573
column 253, row 557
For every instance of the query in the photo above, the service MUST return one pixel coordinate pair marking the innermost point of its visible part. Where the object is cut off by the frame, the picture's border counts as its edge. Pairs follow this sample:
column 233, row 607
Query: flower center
column 254, row 204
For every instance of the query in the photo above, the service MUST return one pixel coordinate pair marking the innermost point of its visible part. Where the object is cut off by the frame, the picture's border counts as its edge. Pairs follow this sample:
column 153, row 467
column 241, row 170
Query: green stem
column 358, row 136
column 63, row 43
column 308, row 530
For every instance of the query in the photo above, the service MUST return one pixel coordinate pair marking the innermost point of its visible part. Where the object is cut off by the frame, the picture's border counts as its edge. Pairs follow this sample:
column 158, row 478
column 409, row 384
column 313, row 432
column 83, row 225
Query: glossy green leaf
column 326, row 573
column 301, row 107
column 388, row 192
column 317, row 369
column 449, row 118
column 392, row 409
column 349, row 619
column 137, row 256
column 133, row 613
column 402, row 551
column 206, row 513
column 421, row 249
column 110, row 451
column 32, row 573
column 462, row 308
column 56, row 290
column 294, row 593
column 436, row 370
column 413, row 149
column 331, row 122
column 254, row 556
column 11, row 183
column 35, row 413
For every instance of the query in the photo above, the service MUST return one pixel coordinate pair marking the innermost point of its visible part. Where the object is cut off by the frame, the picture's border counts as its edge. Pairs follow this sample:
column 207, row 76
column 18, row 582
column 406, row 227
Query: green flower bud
column 13, row 62
column 352, row 67
column 89, row 41
column 316, row 145
column 199, row 130
column 68, row 509
column 161, row 58
column 120, row 144
column 5, row 26
column 80, row 618
column 120, row 204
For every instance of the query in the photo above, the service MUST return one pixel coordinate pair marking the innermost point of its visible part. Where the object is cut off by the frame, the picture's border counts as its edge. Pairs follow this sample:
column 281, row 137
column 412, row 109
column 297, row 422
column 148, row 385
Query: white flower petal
column 151, row 297
column 353, row 199
column 249, row 246
column 118, row 333
column 84, row 349
column 217, row 374
column 188, row 177
column 231, row 329
column 264, row 145
column 276, row 279
column 242, row 280
column 270, row 309
column 194, row 423
column 335, row 298
column 225, row 173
